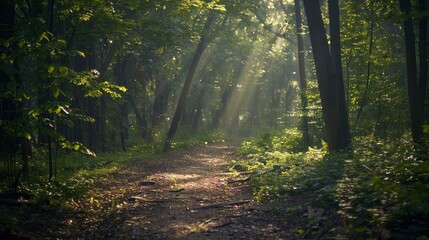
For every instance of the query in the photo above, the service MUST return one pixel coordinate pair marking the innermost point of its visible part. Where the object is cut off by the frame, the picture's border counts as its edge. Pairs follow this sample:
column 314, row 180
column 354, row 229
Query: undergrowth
column 380, row 189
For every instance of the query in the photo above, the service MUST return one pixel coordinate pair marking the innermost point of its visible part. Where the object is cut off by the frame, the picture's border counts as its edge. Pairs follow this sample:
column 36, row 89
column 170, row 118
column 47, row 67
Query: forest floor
column 183, row 194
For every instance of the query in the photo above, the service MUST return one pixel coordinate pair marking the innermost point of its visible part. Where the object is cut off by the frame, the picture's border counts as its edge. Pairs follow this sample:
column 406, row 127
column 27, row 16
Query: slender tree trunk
column 92, row 103
column 328, row 82
column 101, row 121
column 423, row 59
column 334, row 25
column 141, row 120
column 290, row 95
column 411, row 63
column 254, row 110
column 159, row 109
column 198, row 115
column 25, row 143
column 123, row 106
column 302, row 77
column 78, row 98
column 368, row 67
column 50, row 21
column 184, row 94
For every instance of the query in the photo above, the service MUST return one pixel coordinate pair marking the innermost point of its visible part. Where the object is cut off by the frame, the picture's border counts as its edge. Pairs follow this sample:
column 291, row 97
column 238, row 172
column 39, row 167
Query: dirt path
column 183, row 195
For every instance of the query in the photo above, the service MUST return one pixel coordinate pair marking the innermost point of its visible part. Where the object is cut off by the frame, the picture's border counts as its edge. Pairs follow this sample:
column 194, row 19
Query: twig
column 217, row 205
column 223, row 224
column 140, row 199
column 176, row 190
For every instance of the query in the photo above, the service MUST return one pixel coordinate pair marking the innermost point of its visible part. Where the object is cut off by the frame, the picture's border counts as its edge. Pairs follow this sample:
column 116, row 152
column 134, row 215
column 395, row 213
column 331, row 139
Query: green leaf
column 63, row 70
column 57, row 110
column 34, row 113
column 56, row 92
column 26, row 96
column 27, row 136
column 51, row 68
column 76, row 147
column 82, row 54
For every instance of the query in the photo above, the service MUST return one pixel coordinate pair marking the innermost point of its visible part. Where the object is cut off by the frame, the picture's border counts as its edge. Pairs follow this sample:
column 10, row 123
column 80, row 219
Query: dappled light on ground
column 185, row 194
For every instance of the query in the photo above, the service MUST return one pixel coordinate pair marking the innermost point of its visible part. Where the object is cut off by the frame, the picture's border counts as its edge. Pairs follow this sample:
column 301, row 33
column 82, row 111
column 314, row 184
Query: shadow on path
column 182, row 195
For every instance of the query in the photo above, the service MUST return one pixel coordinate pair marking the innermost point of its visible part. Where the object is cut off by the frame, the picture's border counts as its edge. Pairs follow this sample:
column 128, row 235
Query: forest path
column 184, row 194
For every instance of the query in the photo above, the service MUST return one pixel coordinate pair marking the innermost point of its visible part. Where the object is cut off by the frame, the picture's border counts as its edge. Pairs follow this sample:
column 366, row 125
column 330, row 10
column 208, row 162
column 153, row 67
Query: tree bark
column 334, row 26
column 411, row 64
column 123, row 106
column 92, row 103
column 368, row 67
column 159, row 109
column 184, row 94
column 423, row 60
column 329, row 85
column 141, row 120
column 196, row 121
column 302, row 77
column 101, row 121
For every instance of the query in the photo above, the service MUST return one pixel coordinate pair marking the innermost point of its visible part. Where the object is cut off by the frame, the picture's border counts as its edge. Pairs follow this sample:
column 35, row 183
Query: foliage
column 377, row 189
column 185, row 139
column 385, row 185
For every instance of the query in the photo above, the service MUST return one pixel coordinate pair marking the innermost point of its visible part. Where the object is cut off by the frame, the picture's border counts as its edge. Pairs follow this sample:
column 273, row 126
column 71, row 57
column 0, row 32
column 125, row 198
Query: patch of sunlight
column 182, row 176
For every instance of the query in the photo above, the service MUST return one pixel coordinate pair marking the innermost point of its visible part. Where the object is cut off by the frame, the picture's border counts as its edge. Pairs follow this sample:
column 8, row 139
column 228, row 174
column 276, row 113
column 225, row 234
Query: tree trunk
column 302, row 77
column 184, row 94
column 123, row 106
column 78, row 98
column 92, row 102
column 329, row 85
column 334, row 26
column 141, row 120
column 159, row 109
column 423, row 60
column 198, row 115
column 364, row 100
column 101, row 121
column 411, row 63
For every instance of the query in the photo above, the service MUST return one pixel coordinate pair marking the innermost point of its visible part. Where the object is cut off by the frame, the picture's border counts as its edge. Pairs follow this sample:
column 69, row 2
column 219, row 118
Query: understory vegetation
column 379, row 188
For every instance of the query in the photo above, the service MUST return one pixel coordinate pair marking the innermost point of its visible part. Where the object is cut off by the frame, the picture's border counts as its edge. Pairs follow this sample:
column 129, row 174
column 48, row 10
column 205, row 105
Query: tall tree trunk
column 334, row 26
column 423, row 59
column 328, row 83
column 50, row 22
column 91, row 127
column 102, row 118
column 302, row 77
column 368, row 66
column 184, row 94
column 123, row 106
column 141, row 120
column 159, row 109
column 411, row 63
column 78, row 98
column 198, row 115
